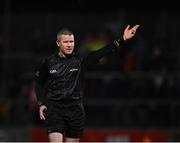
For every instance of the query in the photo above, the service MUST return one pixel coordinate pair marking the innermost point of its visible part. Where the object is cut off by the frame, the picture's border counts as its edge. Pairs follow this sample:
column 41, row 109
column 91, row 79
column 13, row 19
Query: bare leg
column 55, row 137
column 72, row 139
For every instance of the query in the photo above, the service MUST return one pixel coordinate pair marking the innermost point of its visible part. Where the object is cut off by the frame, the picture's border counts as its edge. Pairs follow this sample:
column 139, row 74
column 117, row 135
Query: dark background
column 137, row 88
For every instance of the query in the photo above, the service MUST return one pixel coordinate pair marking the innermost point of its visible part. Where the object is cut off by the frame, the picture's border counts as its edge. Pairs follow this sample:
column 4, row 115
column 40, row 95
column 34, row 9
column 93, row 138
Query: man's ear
column 57, row 42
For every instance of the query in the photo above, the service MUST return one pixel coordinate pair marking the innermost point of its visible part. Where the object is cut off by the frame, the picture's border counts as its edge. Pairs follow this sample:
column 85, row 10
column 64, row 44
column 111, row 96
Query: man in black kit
column 59, row 85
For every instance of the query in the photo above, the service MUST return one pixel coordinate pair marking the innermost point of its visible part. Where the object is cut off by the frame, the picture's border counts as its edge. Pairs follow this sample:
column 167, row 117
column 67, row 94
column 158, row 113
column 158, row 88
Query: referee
column 58, row 85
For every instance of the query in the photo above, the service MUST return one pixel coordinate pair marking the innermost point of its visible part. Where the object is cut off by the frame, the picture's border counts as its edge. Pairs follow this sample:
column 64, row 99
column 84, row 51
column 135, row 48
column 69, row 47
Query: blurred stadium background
column 133, row 95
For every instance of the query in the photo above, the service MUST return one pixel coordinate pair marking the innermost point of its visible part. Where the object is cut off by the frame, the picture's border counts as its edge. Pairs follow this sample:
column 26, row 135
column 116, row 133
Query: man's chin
column 69, row 53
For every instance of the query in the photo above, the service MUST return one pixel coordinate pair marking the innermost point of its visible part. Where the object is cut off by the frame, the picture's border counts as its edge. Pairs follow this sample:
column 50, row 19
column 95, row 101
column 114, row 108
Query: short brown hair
column 64, row 31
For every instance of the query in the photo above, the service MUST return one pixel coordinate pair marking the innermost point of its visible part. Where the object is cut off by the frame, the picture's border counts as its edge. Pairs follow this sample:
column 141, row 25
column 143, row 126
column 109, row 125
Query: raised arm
column 94, row 57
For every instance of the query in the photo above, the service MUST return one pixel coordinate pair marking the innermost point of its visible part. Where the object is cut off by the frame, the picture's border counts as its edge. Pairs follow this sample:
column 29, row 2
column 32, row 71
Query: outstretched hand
column 130, row 32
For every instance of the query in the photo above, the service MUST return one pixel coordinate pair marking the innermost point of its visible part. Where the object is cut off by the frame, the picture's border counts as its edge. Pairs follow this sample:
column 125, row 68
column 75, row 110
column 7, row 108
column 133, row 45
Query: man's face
column 66, row 44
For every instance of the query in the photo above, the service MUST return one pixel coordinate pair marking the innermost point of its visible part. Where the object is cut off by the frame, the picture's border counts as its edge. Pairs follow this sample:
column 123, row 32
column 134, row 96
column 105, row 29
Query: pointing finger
column 136, row 27
column 127, row 27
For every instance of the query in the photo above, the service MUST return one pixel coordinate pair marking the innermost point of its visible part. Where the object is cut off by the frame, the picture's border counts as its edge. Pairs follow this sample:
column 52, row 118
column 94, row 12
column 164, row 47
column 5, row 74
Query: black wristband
column 119, row 42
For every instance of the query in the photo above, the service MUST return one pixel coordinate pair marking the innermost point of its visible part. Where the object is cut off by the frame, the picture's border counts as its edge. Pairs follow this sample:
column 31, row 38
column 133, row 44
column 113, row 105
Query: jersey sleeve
column 93, row 57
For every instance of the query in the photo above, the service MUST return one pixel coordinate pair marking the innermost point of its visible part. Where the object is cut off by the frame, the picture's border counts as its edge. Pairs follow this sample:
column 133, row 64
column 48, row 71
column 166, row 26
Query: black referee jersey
column 60, row 79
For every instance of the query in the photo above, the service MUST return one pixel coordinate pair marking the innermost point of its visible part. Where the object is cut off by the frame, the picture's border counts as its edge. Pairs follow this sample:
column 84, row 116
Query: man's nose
column 69, row 44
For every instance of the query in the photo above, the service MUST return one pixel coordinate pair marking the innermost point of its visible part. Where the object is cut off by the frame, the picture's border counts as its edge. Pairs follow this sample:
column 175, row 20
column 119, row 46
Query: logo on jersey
column 53, row 71
column 73, row 69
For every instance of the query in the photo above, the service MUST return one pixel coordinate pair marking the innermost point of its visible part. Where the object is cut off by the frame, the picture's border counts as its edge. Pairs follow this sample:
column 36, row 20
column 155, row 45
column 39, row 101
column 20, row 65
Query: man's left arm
column 94, row 57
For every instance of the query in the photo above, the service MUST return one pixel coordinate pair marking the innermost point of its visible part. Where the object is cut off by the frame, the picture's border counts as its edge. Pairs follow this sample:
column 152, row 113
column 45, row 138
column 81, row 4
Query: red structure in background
column 39, row 135
column 109, row 135
column 124, row 135
column 129, row 65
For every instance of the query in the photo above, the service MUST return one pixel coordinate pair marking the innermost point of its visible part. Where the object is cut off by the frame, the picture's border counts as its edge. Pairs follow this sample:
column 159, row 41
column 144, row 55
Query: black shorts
column 68, row 120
